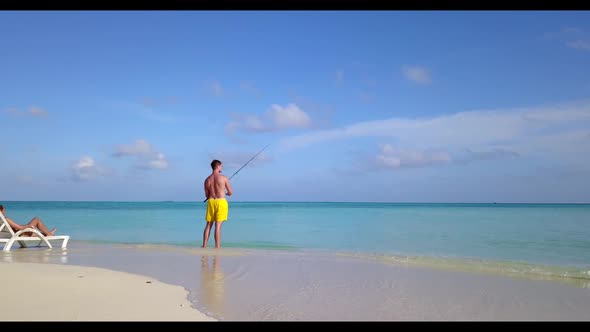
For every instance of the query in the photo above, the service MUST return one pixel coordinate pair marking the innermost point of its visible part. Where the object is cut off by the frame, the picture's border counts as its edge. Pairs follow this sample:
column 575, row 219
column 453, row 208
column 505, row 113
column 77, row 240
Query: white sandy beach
column 50, row 292
column 260, row 285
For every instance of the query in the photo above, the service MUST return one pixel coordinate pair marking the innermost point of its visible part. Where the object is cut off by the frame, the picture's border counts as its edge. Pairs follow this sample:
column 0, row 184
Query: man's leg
column 37, row 223
column 221, row 216
column 218, row 234
column 206, row 233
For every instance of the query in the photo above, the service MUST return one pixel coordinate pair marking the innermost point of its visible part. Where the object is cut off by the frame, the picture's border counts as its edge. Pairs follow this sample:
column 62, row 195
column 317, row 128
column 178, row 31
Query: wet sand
column 233, row 284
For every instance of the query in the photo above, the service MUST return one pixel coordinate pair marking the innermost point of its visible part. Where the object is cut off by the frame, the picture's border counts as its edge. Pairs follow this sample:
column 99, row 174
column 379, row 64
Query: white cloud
column 253, row 123
column 32, row 111
column 86, row 169
column 37, row 111
column 246, row 122
column 571, row 30
column 558, row 131
column 463, row 129
column 582, row 45
column 417, row 74
column 234, row 125
column 496, row 153
column 159, row 162
column 572, row 37
column 235, row 160
column 393, row 157
column 277, row 118
column 140, row 147
column 289, row 116
column 147, row 156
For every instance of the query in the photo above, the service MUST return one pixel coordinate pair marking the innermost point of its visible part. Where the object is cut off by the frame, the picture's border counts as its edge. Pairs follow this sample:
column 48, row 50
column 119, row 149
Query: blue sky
column 357, row 106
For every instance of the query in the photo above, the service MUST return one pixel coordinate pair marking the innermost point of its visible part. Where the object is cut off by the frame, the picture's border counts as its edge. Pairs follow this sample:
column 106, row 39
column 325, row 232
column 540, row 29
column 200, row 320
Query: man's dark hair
column 1, row 207
column 215, row 163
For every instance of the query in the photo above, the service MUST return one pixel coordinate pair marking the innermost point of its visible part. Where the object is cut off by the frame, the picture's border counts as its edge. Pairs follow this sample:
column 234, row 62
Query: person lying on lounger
column 34, row 223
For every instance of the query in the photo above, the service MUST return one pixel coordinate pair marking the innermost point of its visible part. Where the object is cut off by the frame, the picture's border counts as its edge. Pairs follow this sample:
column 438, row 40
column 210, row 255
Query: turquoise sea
column 551, row 239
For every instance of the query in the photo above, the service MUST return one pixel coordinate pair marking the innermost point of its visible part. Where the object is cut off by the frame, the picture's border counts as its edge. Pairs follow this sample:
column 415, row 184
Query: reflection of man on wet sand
column 212, row 285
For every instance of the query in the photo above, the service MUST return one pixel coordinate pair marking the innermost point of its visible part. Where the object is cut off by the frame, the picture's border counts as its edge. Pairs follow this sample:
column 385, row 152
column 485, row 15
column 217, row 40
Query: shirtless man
column 216, row 186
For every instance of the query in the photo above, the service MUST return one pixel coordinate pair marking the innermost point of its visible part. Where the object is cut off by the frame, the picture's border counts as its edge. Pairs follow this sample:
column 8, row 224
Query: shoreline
column 576, row 276
column 269, row 285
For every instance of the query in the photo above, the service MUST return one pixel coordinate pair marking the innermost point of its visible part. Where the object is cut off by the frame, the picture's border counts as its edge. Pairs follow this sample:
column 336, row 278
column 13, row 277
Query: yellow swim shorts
column 217, row 209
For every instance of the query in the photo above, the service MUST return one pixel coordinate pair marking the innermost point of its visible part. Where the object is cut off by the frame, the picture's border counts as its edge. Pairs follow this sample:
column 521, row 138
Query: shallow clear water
column 551, row 234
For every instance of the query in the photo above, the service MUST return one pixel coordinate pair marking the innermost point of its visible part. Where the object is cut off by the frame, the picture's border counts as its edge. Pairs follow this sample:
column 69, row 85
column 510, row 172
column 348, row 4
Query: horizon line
column 254, row 201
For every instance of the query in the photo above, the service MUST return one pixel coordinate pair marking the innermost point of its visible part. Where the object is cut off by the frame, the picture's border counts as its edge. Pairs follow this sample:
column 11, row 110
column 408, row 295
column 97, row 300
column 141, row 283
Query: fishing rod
column 259, row 152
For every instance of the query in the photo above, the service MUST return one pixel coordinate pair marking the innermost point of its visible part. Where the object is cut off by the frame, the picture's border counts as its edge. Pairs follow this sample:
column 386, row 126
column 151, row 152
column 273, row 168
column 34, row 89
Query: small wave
column 570, row 275
column 262, row 245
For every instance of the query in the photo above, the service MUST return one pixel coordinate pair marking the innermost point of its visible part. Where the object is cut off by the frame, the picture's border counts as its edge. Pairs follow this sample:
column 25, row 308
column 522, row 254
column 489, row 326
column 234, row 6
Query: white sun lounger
column 8, row 236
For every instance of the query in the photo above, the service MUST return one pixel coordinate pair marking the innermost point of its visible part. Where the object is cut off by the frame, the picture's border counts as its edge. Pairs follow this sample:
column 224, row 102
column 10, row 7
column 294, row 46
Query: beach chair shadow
column 8, row 236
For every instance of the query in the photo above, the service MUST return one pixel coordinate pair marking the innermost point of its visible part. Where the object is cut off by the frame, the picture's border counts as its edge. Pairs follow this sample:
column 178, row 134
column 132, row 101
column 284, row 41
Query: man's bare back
column 216, row 188
column 215, row 185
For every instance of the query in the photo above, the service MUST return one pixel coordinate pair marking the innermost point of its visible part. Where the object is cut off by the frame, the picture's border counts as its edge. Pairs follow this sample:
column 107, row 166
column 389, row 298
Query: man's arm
column 228, row 187
column 206, row 189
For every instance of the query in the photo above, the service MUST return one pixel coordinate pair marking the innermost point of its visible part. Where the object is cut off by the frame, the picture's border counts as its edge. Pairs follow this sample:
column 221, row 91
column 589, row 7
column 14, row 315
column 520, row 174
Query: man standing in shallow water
column 216, row 187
